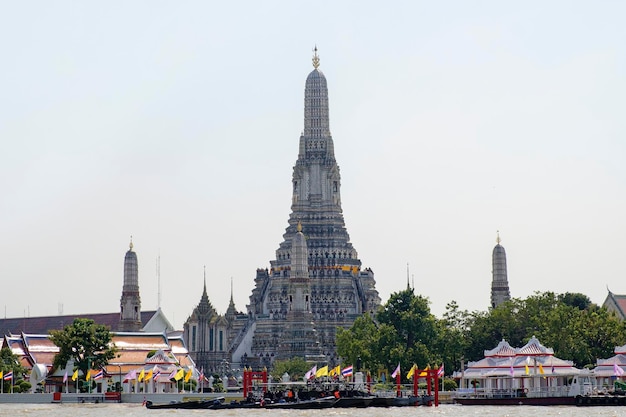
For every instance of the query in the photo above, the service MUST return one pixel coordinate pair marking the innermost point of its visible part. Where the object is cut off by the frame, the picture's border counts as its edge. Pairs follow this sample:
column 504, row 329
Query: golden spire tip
column 316, row 59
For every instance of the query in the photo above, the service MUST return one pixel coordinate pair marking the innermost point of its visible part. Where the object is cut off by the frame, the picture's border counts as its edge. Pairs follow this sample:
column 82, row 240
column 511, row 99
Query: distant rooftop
column 41, row 325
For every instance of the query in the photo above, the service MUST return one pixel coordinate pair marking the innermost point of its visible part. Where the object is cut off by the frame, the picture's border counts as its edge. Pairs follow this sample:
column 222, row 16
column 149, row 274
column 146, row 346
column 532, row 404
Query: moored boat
column 204, row 404
column 353, row 402
column 313, row 404
column 515, row 401
column 411, row 400
column 600, row 400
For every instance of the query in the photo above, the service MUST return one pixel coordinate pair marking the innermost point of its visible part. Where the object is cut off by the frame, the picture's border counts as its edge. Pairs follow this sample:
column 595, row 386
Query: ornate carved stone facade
column 339, row 290
column 208, row 334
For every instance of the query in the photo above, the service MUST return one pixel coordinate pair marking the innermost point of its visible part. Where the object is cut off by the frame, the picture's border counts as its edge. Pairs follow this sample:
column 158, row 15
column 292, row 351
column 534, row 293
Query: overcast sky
column 178, row 123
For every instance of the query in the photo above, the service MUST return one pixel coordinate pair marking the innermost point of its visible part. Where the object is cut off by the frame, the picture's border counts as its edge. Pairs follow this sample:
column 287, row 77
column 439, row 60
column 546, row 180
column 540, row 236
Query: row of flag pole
column 414, row 369
column 144, row 376
column 337, row 371
column 348, row 371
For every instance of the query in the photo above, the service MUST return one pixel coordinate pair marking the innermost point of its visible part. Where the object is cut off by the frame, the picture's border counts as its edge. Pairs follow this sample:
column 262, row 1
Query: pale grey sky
column 178, row 123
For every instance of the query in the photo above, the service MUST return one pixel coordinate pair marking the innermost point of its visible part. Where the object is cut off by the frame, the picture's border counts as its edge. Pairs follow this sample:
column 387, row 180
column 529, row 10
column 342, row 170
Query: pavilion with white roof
column 531, row 368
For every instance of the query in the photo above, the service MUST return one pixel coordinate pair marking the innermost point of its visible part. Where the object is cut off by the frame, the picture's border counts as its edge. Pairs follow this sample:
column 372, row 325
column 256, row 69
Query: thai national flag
column 347, row 371
column 99, row 375
column 8, row 375
column 311, row 372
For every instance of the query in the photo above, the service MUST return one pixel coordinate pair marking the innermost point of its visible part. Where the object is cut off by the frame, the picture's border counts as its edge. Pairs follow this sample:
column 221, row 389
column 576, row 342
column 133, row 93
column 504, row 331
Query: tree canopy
column 87, row 343
column 404, row 331
column 296, row 368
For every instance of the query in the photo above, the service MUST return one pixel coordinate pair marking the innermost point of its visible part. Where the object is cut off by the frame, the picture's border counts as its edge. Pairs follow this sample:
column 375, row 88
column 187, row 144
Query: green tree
column 359, row 342
column 404, row 331
column 10, row 363
column 452, row 341
column 578, row 300
column 87, row 343
column 415, row 329
column 296, row 368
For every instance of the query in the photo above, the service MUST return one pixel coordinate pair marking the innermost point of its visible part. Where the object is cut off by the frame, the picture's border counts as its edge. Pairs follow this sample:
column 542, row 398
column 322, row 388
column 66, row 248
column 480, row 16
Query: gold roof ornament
column 316, row 59
column 131, row 242
column 299, row 227
column 498, row 238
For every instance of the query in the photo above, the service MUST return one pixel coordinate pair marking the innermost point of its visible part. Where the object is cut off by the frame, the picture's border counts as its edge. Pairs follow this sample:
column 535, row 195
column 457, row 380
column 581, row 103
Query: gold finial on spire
column 316, row 59
column 299, row 227
column 498, row 238
column 131, row 242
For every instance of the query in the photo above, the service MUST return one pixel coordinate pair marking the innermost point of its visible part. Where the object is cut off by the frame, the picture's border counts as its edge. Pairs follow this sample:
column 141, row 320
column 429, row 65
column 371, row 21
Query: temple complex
column 330, row 282
column 316, row 283
column 499, row 284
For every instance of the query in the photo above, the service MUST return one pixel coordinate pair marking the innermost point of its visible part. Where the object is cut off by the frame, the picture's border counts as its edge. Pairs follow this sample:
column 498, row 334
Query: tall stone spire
column 231, row 311
column 340, row 291
column 499, row 284
column 130, row 303
column 316, row 183
column 205, row 306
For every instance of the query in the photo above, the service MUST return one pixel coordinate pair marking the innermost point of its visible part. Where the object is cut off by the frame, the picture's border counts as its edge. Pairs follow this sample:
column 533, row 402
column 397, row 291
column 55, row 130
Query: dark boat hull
column 517, row 401
column 191, row 405
column 401, row 401
column 353, row 402
column 315, row 404
column 600, row 400
column 236, row 405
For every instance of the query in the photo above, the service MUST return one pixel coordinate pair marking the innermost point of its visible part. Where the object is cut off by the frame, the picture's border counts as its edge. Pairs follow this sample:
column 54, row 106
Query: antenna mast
column 158, row 273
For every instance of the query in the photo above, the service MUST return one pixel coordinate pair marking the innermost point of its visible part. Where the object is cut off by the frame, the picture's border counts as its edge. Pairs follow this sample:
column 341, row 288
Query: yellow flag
column 323, row 371
column 411, row 371
column 141, row 376
column 88, row 377
column 335, row 371
column 541, row 369
column 148, row 376
column 180, row 374
column 426, row 369
column 188, row 375
column 75, row 375
column 1, row 374
column 527, row 370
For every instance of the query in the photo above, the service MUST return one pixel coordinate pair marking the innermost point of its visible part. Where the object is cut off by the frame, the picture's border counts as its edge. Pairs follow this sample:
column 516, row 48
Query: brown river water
column 445, row 410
